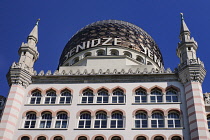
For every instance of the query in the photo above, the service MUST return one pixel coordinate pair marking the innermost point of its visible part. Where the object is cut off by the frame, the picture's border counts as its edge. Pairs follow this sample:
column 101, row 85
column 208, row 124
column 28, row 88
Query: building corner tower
column 19, row 77
column 191, row 72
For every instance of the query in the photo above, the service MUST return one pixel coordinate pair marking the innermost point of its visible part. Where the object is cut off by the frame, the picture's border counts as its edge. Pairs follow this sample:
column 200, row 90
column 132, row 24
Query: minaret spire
column 34, row 33
column 184, row 31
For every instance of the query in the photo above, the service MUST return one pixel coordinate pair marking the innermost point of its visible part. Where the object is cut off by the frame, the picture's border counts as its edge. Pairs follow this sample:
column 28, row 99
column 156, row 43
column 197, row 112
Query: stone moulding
column 100, row 72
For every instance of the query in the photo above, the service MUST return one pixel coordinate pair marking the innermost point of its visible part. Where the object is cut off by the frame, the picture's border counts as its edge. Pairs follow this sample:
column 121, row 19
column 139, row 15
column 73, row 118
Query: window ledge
column 45, row 104
column 99, row 128
column 157, row 103
column 42, row 128
column 101, row 104
column 178, row 128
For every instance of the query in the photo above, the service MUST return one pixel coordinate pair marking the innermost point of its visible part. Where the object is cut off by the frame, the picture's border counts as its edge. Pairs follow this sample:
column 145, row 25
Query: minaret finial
column 182, row 16
column 37, row 22
column 184, row 31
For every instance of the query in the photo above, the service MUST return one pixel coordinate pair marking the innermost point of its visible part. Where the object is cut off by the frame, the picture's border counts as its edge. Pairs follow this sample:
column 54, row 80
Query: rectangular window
column 170, row 123
column 97, row 124
column 81, row 124
column 88, row 123
column 113, row 124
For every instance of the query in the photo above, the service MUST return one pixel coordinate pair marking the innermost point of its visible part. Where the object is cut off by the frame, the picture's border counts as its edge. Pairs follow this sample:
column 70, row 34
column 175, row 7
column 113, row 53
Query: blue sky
column 61, row 19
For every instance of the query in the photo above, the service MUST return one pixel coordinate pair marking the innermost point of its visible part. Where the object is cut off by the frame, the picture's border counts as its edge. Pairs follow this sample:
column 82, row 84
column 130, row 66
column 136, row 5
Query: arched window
column 171, row 96
column 174, row 120
column 58, row 138
column 101, row 120
column 176, row 138
column 156, row 96
column 100, row 52
column 61, row 120
column 116, row 138
column 141, row 138
column 85, row 120
column 75, row 60
column 50, row 97
column 25, row 138
column 65, row 97
column 87, row 54
column 41, row 138
column 140, row 59
column 140, row 96
column 103, row 96
column 82, row 138
column 35, row 97
column 114, row 52
column 117, row 120
column 208, row 121
column 158, row 138
column 157, row 120
column 118, row 96
column 99, row 138
column 30, row 121
column 127, row 54
column 141, row 119
column 87, row 96
column 46, row 120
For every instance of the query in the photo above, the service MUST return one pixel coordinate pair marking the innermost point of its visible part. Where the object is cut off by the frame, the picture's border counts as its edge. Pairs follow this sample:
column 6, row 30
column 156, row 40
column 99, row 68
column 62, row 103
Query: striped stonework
column 11, row 112
column 196, row 111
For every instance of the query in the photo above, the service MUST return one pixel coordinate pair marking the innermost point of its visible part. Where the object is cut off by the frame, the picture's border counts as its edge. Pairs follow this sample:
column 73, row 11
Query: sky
column 61, row 19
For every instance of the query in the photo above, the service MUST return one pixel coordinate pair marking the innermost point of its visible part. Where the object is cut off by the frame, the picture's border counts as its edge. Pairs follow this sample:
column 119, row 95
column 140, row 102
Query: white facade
column 123, row 93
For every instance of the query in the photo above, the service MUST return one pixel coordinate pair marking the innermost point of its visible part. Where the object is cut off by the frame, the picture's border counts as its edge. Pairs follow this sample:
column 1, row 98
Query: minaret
column 20, row 73
column 19, row 77
column 28, row 51
column 191, row 72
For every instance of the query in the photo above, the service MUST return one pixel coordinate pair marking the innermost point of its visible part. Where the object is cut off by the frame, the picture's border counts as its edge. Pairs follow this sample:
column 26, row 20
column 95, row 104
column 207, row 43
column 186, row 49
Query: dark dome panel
column 131, row 36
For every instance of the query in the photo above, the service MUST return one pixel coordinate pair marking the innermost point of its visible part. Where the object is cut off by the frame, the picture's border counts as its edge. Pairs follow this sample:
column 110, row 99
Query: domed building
column 110, row 84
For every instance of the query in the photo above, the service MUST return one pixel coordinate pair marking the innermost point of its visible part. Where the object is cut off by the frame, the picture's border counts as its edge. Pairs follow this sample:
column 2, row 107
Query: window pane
column 114, row 99
column 121, row 99
column 137, row 99
column 144, row 123
column 42, row 124
column 84, row 99
column 159, row 98
column 87, row 124
column 57, row 124
column 177, row 123
column 154, row 123
column 175, row 99
column 106, row 99
column 152, row 98
column 104, row 123
column 113, row 124
column 99, row 99
column 62, row 99
column 143, row 99
column 64, row 124
column 27, row 124
column 81, row 124
column 137, row 124
column 161, row 123
column 90, row 99
column 120, row 124
column 97, row 124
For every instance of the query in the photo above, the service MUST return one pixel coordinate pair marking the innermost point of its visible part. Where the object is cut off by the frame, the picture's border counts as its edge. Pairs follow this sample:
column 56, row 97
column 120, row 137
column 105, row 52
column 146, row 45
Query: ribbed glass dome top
column 131, row 36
